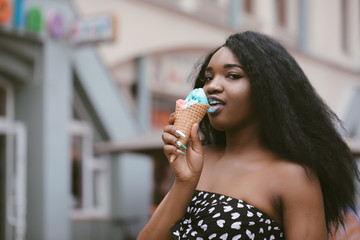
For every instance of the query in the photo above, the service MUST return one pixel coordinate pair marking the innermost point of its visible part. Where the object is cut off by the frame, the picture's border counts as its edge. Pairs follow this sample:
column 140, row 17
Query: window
column 344, row 26
column 248, row 6
column 89, row 175
column 2, row 185
column 161, row 110
column 12, row 169
column 351, row 120
column 2, row 101
column 352, row 116
column 281, row 12
column 13, row 180
column 6, row 100
column 76, row 171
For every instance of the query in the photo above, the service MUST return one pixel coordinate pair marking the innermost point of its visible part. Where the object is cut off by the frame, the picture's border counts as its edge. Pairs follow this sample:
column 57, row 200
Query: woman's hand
column 186, row 168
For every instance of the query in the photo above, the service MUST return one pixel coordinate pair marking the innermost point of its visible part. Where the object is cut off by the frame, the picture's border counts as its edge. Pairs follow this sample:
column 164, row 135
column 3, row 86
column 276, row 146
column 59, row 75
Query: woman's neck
column 242, row 140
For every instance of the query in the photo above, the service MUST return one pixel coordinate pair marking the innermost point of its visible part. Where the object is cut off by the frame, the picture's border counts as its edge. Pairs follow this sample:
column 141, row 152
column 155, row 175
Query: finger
column 174, row 131
column 169, row 150
column 170, row 139
column 172, row 152
column 195, row 139
column 173, row 157
column 172, row 118
column 170, row 129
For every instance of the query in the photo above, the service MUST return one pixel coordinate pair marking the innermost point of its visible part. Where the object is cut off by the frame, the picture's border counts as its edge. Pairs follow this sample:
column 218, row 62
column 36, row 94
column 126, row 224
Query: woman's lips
column 216, row 104
column 216, row 108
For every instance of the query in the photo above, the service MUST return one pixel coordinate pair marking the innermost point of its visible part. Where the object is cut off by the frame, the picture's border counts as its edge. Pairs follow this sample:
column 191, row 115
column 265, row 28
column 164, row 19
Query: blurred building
column 81, row 112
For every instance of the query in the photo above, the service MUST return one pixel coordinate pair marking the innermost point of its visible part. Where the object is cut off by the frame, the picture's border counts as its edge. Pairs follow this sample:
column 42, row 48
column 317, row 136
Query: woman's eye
column 207, row 78
column 234, row 76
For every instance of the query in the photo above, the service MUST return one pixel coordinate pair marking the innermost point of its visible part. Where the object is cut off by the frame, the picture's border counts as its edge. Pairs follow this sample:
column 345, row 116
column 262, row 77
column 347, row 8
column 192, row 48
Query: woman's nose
column 213, row 86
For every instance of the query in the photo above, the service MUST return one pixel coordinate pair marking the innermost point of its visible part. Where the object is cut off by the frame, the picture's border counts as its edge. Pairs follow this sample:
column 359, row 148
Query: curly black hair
column 295, row 122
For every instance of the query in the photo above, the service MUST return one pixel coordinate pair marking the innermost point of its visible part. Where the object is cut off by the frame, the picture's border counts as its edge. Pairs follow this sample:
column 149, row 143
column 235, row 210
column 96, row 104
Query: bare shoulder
column 295, row 183
column 296, row 177
column 301, row 201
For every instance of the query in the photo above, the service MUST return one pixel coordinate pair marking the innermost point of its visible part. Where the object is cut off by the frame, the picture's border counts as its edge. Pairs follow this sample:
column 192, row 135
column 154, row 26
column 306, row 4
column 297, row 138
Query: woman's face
column 228, row 90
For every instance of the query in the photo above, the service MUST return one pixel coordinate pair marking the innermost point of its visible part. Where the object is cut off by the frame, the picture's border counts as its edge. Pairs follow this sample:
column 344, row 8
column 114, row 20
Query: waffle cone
column 185, row 118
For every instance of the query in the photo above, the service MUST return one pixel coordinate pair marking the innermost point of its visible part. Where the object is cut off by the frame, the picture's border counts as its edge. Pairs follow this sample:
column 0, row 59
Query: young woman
column 273, row 165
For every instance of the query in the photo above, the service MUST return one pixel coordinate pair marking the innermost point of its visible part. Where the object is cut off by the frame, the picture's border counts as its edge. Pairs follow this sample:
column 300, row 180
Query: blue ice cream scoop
column 198, row 95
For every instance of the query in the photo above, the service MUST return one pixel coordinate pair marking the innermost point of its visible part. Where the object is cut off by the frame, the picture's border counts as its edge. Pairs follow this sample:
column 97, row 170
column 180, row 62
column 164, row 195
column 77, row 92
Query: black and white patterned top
column 215, row 216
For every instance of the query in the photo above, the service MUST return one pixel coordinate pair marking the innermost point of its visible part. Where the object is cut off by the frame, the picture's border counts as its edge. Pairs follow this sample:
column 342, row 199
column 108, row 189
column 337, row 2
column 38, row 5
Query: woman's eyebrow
column 233, row 65
column 229, row 65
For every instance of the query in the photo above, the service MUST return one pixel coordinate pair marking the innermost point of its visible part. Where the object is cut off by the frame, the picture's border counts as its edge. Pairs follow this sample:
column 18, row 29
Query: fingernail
column 181, row 152
column 180, row 133
column 172, row 114
column 181, row 145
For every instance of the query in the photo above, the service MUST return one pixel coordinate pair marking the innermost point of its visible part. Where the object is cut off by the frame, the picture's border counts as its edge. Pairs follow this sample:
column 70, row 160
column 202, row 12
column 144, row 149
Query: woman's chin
column 218, row 126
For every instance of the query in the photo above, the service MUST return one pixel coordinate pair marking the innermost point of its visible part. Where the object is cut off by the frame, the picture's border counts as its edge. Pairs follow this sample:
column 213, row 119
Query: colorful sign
column 5, row 11
column 19, row 14
column 34, row 20
column 55, row 24
column 89, row 30
column 93, row 29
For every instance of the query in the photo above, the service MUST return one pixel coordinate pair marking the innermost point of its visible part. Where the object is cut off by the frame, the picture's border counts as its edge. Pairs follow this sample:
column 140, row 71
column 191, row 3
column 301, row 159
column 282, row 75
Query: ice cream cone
column 185, row 119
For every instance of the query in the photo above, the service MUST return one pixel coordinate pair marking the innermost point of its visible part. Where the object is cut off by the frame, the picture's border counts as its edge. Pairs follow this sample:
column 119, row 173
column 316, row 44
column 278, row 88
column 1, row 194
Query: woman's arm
column 187, row 172
column 171, row 209
column 302, row 205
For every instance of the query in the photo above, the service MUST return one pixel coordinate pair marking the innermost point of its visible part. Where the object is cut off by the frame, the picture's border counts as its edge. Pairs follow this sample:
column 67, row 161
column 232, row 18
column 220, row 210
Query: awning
column 153, row 141
column 149, row 141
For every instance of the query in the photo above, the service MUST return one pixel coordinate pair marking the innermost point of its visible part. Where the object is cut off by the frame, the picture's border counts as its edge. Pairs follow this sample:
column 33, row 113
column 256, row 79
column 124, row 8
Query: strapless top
column 216, row 216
